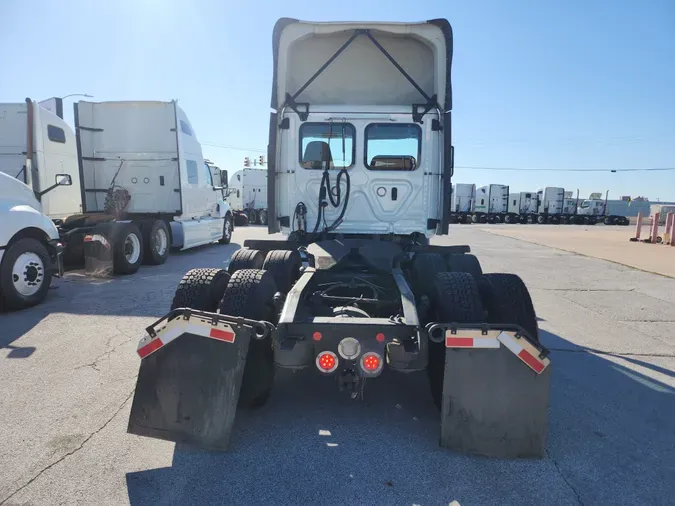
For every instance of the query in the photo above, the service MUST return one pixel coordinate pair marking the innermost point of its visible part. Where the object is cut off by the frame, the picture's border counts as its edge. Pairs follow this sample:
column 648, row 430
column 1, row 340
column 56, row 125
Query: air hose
column 325, row 189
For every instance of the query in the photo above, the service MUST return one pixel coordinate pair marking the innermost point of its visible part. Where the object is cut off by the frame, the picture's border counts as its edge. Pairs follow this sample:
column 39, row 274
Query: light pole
column 86, row 95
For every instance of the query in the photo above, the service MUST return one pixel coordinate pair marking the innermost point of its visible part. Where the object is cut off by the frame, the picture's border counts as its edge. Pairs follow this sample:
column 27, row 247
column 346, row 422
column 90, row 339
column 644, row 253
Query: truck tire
column 464, row 262
column 507, row 300
column 483, row 219
column 25, row 274
column 227, row 230
column 527, row 220
column 609, row 220
column 201, row 289
column 455, row 299
column 497, row 218
column 245, row 259
column 253, row 217
column 157, row 241
column 424, row 267
column 284, row 266
column 262, row 217
column 475, row 218
column 250, row 293
column 127, row 245
column 541, row 219
column 508, row 219
column 555, row 220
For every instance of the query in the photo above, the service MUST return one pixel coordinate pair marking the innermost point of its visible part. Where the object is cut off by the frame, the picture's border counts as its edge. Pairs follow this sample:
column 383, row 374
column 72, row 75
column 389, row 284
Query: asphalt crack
column 106, row 354
column 557, row 467
column 47, row 468
column 614, row 353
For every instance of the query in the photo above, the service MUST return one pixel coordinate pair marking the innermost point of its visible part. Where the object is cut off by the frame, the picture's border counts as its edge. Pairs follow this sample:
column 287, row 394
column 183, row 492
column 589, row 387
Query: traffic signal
column 262, row 160
column 247, row 162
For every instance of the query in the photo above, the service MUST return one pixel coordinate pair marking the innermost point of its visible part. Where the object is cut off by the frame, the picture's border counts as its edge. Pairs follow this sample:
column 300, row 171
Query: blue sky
column 537, row 84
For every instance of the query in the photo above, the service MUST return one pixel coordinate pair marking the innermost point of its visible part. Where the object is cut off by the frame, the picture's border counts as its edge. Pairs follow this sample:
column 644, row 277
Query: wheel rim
column 28, row 274
column 132, row 248
column 160, row 241
column 227, row 228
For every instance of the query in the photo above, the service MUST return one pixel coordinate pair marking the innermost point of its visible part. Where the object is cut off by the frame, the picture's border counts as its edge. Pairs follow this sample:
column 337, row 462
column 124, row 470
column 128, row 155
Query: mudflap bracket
column 496, row 388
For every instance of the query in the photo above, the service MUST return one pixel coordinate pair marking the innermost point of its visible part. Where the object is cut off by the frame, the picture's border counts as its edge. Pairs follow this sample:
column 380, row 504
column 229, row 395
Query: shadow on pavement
column 148, row 292
column 611, row 441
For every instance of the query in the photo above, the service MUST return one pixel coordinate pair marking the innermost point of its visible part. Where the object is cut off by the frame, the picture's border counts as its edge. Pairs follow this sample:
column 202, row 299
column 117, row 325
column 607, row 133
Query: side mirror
column 59, row 180
column 63, row 180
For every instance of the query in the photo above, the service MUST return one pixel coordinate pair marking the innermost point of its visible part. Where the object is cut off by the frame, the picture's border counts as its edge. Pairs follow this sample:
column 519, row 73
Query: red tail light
column 327, row 361
column 371, row 362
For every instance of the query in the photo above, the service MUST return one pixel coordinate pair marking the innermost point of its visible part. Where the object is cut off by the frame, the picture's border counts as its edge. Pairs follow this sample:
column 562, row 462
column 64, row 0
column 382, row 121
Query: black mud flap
column 187, row 390
column 494, row 404
column 98, row 252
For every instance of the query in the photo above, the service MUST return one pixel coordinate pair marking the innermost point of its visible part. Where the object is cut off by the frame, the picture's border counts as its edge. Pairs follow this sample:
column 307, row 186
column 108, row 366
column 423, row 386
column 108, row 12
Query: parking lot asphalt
column 68, row 369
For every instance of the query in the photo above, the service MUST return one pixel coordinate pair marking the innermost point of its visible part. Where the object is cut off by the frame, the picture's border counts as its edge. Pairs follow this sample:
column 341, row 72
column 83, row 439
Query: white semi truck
column 360, row 165
column 491, row 204
column 522, row 208
column 30, row 247
column 462, row 202
column 594, row 210
column 247, row 193
column 141, row 185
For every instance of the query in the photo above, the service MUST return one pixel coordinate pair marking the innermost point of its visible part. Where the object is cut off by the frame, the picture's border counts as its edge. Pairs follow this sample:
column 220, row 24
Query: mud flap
column 188, row 388
column 493, row 405
column 98, row 252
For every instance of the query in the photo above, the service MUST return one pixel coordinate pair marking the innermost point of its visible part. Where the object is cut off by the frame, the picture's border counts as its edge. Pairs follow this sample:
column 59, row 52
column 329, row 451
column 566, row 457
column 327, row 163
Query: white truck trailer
column 247, row 193
column 360, row 166
column 462, row 202
column 492, row 204
column 141, row 183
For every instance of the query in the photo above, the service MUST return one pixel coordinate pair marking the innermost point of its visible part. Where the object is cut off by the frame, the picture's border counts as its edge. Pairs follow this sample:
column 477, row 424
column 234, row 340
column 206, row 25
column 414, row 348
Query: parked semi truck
column 522, row 208
column 462, row 202
column 140, row 183
column 30, row 247
column 247, row 193
column 358, row 189
column 491, row 204
column 594, row 210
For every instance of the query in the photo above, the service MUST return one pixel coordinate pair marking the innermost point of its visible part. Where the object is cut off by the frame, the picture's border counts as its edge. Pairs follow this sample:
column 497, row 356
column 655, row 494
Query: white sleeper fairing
column 360, row 140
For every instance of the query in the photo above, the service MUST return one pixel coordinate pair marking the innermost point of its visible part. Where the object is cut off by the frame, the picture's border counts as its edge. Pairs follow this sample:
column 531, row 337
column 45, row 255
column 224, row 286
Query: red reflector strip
column 222, row 335
column 459, row 342
column 470, row 342
column 527, row 357
column 153, row 345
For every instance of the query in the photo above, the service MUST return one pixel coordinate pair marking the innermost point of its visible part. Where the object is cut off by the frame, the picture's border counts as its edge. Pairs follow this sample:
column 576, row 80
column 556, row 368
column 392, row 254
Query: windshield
column 585, row 204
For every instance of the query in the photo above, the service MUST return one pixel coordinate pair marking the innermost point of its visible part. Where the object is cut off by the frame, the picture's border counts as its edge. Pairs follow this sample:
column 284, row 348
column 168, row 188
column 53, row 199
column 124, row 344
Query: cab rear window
column 393, row 147
column 331, row 143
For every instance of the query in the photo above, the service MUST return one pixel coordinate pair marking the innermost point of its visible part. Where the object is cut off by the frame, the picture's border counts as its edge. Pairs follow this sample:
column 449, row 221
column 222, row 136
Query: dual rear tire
column 461, row 297
column 247, row 289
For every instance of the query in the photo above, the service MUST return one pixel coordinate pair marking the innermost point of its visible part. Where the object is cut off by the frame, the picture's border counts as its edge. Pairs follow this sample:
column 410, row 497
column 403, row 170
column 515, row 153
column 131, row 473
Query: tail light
column 371, row 363
column 327, row 361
